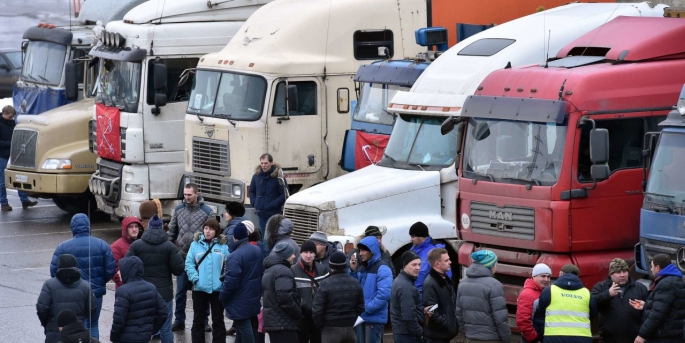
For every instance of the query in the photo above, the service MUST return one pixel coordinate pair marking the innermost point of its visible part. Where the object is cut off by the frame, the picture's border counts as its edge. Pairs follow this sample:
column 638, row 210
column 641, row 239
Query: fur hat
column 240, row 231
column 155, row 223
column 66, row 317
column 617, row 265
column 308, row 245
column 319, row 237
column 409, row 256
column 372, row 231
column 486, row 258
column 149, row 208
column 418, row 229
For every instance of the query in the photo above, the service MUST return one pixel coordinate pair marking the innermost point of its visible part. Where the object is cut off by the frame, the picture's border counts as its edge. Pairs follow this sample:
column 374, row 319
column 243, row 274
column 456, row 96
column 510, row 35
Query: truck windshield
column 416, row 143
column 119, row 84
column 513, row 151
column 665, row 183
column 227, row 95
column 374, row 101
column 44, row 63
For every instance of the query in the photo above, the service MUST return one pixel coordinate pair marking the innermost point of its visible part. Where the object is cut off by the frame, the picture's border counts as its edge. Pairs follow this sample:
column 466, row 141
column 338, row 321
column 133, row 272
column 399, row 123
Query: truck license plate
column 22, row 178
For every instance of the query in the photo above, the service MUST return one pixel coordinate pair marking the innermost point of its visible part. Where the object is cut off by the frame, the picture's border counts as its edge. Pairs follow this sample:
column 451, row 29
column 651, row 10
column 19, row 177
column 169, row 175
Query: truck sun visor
column 119, row 54
column 56, row 35
column 523, row 109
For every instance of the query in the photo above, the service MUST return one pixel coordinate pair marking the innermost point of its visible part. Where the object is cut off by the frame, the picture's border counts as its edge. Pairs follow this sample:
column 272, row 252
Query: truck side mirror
column 447, row 126
column 5, row 66
column 160, row 99
column 599, row 154
column 71, row 80
column 292, row 98
column 160, row 77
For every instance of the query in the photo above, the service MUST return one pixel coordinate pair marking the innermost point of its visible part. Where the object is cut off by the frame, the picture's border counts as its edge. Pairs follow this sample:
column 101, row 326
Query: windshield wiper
column 44, row 79
column 228, row 118
column 535, row 181
column 666, row 200
column 416, row 165
column 486, row 175
column 28, row 76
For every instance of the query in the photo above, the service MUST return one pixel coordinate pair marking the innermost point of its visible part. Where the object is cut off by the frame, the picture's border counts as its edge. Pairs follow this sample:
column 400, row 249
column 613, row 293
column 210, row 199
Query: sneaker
column 28, row 204
column 231, row 331
column 6, row 207
column 178, row 326
column 208, row 328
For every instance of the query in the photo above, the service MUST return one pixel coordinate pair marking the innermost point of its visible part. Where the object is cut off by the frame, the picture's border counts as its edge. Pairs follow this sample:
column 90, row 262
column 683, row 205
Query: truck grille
column 508, row 221
column 653, row 248
column 305, row 222
column 211, row 156
column 23, row 150
column 217, row 188
column 111, row 170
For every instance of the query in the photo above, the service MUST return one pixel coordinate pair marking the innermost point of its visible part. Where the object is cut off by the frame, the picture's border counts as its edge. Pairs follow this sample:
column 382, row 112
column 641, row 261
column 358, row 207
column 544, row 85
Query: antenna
column 549, row 36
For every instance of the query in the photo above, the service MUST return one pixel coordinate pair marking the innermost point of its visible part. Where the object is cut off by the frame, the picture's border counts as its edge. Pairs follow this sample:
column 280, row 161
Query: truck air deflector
column 118, row 54
column 574, row 61
column 519, row 109
column 388, row 74
column 673, row 119
column 58, row 36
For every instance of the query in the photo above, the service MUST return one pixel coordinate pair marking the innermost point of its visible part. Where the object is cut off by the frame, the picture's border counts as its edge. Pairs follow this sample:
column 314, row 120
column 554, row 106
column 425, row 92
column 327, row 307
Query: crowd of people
column 267, row 284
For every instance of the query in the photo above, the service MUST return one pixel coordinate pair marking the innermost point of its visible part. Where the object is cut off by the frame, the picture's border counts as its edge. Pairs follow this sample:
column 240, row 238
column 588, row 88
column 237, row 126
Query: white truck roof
column 442, row 89
column 179, row 11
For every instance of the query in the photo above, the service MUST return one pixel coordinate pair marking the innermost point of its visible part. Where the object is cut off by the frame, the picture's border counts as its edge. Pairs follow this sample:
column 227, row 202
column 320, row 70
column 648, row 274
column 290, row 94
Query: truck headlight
column 56, row 163
column 133, row 188
column 236, row 190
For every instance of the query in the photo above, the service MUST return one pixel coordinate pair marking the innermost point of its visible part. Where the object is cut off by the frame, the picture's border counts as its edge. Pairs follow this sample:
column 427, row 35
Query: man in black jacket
column 6, row 129
column 161, row 259
column 72, row 330
column 439, row 290
column 281, row 301
column 619, row 322
column 338, row 302
column 139, row 310
column 664, row 310
column 308, row 274
column 406, row 311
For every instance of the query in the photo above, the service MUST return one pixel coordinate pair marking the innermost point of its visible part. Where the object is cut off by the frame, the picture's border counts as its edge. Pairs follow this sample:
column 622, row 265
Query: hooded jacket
column 95, row 259
column 206, row 277
column 664, row 310
column 618, row 321
column 241, row 290
column 338, row 301
column 228, row 231
column 281, row 300
column 283, row 229
column 406, row 311
column 481, row 307
column 330, row 249
column 307, row 285
column 438, row 290
column 422, row 250
column 161, row 258
column 186, row 220
column 375, row 278
column 6, row 130
column 76, row 333
column 267, row 195
column 121, row 245
column 139, row 310
column 566, row 281
column 64, row 291
column 524, row 310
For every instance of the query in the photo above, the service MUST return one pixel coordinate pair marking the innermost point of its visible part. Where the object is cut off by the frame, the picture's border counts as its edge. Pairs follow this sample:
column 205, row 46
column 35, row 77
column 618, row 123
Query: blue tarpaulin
column 38, row 99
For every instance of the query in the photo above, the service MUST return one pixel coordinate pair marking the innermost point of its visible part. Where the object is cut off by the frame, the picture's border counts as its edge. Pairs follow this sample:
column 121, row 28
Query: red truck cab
column 536, row 183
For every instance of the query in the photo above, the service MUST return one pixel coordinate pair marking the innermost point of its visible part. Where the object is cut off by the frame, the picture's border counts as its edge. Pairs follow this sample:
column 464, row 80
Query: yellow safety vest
column 568, row 313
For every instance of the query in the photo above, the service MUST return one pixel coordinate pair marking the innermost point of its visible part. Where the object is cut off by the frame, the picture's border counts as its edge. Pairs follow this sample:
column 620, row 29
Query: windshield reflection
column 665, row 176
column 514, row 151
column 416, row 143
column 374, row 101
column 119, row 84
column 227, row 95
column 44, row 63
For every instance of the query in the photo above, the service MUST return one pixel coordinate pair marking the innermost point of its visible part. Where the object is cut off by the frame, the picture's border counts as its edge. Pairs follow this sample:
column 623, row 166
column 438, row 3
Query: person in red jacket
column 131, row 229
column 532, row 288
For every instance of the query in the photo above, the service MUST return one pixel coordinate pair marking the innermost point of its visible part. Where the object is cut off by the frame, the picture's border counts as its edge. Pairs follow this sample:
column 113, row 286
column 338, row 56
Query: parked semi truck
column 662, row 216
column 416, row 179
column 45, row 162
column 539, row 181
column 137, row 125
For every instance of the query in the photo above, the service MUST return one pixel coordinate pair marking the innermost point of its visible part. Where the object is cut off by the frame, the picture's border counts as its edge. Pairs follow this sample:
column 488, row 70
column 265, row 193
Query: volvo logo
column 500, row 215
column 23, row 106
column 22, row 150
column 680, row 258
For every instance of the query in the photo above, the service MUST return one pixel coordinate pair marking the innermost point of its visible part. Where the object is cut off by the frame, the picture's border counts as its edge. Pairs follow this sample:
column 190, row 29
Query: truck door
column 294, row 126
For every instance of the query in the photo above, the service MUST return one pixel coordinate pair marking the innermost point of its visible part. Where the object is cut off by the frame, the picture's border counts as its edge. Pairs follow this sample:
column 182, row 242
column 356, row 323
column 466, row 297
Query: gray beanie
column 319, row 237
column 284, row 250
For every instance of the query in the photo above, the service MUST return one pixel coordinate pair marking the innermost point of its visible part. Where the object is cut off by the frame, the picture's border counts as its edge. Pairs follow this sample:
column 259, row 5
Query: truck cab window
column 174, row 92
column 305, row 104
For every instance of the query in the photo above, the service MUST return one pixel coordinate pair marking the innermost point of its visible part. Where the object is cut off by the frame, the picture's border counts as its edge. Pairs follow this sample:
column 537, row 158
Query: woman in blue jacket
column 205, row 264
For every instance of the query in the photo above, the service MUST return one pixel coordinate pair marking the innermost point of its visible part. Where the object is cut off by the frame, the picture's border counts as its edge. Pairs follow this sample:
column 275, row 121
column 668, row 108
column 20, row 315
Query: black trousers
column 308, row 331
column 283, row 336
column 201, row 302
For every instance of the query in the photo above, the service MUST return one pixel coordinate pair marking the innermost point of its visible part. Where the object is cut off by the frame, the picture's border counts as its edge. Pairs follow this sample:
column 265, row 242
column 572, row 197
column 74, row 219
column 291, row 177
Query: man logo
column 500, row 215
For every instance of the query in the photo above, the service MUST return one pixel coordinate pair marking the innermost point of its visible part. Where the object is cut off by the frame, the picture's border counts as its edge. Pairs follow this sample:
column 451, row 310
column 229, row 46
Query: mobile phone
column 432, row 308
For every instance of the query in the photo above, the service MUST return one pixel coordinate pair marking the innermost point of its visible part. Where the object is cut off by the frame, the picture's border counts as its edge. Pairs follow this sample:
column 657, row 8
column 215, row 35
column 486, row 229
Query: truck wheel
column 72, row 205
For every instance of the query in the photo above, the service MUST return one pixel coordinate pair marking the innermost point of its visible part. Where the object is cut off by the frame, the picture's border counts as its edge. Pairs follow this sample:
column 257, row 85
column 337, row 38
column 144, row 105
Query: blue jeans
column 181, row 297
column 92, row 322
column 3, row 191
column 165, row 334
column 406, row 339
column 243, row 331
column 369, row 333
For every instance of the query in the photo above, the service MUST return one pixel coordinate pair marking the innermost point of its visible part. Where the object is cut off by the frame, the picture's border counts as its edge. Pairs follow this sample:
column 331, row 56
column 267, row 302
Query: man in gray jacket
column 481, row 308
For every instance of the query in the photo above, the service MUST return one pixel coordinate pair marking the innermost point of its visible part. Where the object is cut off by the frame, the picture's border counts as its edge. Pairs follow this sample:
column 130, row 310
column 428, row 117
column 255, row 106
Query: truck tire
column 77, row 204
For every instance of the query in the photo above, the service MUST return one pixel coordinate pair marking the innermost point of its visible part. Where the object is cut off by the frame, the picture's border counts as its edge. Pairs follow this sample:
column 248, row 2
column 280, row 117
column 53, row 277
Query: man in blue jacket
column 376, row 281
column 267, row 194
column 242, row 287
column 422, row 245
column 95, row 260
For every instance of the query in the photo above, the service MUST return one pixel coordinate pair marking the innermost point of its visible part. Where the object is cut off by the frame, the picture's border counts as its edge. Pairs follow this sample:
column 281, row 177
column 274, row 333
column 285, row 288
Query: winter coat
column 64, row 291
column 267, row 195
column 95, row 259
column 228, row 231
column 406, row 311
column 442, row 325
column 205, row 277
column 76, row 333
column 139, row 310
column 280, row 297
column 481, row 307
column 524, row 310
column 330, row 249
column 6, row 129
column 618, row 321
column 375, row 278
column 283, row 229
column 186, row 220
column 664, row 310
column 338, row 301
column 306, row 285
column 262, row 246
column 569, row 282
column 241, row 290
column 422, row 250
column 161, row 258
column 121, row 245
